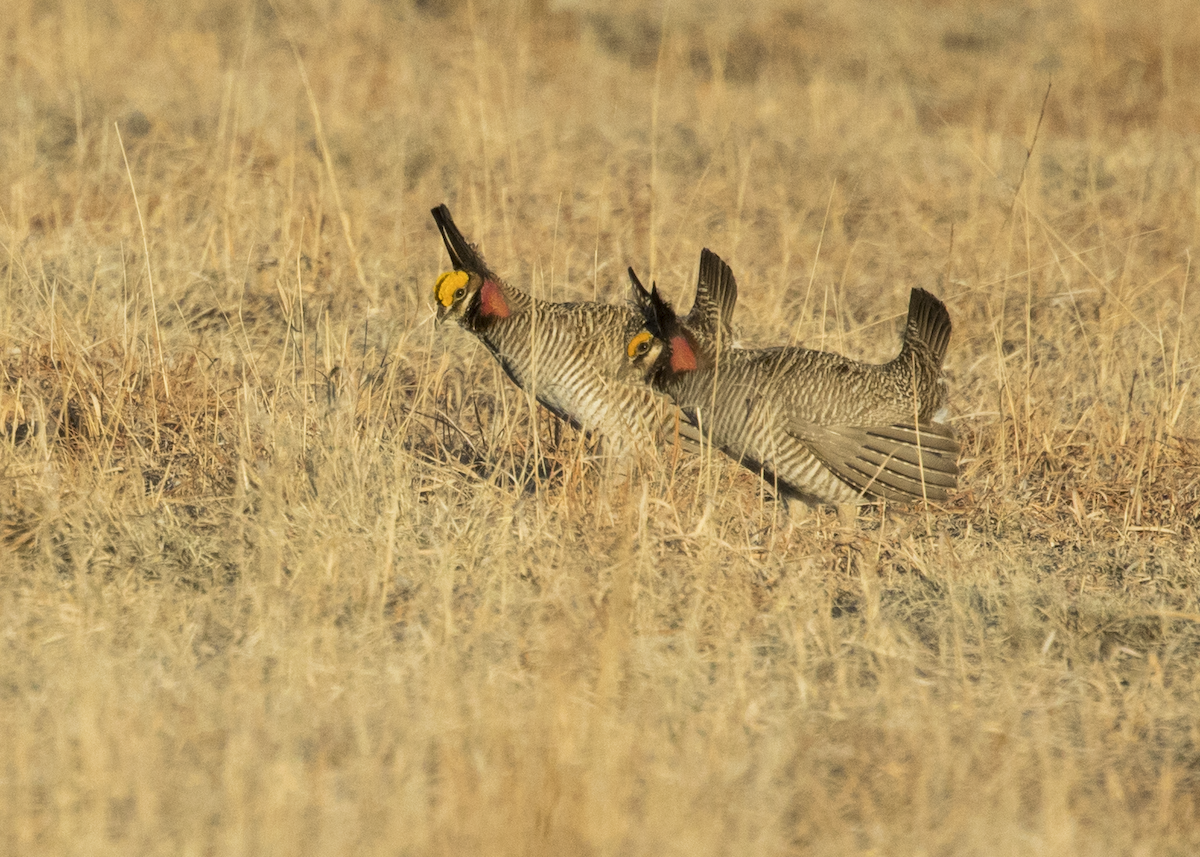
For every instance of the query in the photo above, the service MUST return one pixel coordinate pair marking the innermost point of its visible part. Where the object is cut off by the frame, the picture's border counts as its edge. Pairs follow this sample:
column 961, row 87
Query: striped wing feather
column 897, row 462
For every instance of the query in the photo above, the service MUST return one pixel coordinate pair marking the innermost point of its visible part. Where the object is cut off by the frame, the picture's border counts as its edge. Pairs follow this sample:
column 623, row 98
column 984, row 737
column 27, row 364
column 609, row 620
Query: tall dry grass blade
column 326, row 156
column 162, row 365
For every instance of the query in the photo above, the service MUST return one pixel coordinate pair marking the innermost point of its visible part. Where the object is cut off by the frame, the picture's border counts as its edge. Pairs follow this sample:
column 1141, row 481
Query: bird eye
column 458, row 295
column 639, row 346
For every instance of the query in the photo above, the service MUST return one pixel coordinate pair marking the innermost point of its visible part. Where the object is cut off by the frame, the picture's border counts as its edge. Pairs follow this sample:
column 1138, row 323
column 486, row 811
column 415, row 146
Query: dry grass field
column 286, row 570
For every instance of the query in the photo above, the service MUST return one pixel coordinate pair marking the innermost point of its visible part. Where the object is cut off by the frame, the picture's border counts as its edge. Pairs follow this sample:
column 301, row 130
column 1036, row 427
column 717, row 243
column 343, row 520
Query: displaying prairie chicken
column 568, row 355
column 818, row 426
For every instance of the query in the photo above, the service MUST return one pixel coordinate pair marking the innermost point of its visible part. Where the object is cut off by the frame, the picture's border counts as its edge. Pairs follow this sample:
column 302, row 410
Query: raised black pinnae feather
column 657, row 313
column 664, row 317
column 641, row 297
column 463, row 254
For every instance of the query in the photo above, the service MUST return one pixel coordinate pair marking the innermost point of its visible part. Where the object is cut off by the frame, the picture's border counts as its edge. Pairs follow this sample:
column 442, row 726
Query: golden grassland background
column 285, row 570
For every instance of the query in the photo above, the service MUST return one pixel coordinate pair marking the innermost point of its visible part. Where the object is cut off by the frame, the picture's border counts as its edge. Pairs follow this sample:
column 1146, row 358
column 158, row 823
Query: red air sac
column 492, row 302
column 683, row 358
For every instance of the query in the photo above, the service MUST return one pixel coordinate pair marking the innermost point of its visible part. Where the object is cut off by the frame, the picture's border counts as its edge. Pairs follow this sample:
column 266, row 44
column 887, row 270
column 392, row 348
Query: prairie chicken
column 568, row 355
column 818, row 426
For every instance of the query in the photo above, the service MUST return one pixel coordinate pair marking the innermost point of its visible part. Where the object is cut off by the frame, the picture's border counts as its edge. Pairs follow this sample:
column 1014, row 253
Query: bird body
column 817, row 425
column 569, row 356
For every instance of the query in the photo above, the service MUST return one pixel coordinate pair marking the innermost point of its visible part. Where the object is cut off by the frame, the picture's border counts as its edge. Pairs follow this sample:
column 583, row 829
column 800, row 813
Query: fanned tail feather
column 716, row 297
column 928, row 327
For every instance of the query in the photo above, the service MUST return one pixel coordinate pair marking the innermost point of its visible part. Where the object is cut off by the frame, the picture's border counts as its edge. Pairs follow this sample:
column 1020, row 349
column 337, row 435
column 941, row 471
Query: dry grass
column 284, row 570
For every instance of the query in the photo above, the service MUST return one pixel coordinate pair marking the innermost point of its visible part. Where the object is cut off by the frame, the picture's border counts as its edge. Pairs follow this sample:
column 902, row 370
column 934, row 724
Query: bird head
column 471, row 290
column 455, row 293
column 663, row 346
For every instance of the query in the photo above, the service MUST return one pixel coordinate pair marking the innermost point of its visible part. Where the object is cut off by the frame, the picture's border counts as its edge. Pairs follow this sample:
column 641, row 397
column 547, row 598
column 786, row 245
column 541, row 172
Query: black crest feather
column 463, row 254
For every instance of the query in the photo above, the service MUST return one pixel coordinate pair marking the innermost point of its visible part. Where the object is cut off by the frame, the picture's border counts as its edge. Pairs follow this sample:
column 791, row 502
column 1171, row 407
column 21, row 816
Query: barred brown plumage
column 818, row 426
column 569, row 356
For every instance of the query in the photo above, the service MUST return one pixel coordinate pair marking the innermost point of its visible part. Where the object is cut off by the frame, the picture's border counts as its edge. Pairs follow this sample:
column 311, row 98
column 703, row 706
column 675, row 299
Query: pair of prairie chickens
column 817, row 426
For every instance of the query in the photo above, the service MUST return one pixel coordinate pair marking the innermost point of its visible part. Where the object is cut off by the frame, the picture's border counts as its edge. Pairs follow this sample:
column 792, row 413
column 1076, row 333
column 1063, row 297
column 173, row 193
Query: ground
column 286, row 569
